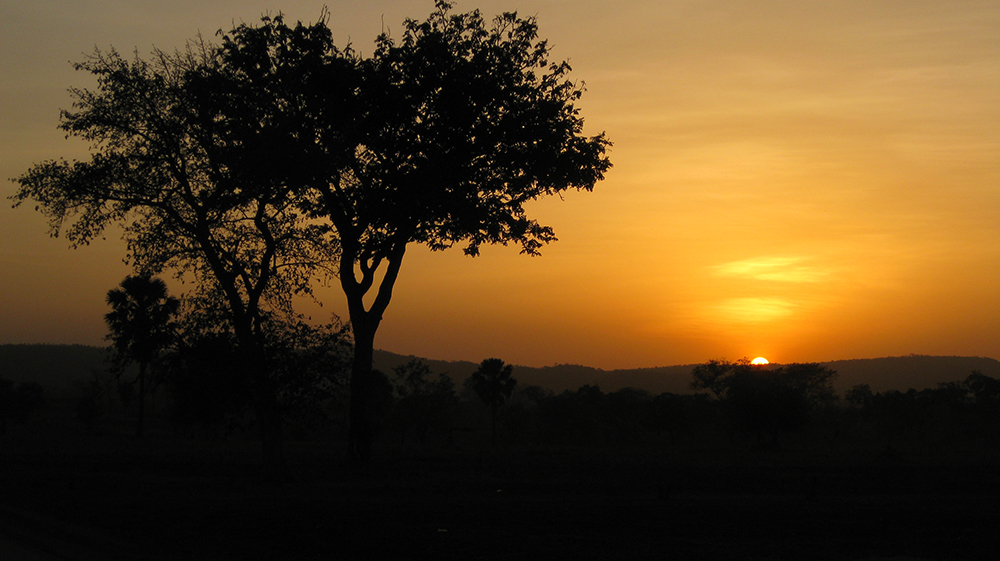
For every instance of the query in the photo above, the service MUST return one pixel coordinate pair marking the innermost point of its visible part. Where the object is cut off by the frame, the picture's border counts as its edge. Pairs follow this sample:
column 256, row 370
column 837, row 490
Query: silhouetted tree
column 493, row 383
column 521, row 410
column 629, row 413
column 309, row 365
column 763, row 403
column 715, row 375
column 437, row 139
column 574, row 415
column 860, row 396
column 306, row 365
column 984, row 389
column 203, row 381
column 215, row 159
column 423, row 403
column 763, row 399
column 191, row 166
column 140, row 327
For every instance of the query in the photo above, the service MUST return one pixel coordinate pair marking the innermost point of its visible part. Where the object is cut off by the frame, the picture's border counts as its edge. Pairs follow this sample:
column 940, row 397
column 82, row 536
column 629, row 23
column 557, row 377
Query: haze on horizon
column 798, row 181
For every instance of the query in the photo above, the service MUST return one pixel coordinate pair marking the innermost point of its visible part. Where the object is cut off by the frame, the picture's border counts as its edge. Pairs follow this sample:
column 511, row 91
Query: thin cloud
column 753, row 310
column 781, row 269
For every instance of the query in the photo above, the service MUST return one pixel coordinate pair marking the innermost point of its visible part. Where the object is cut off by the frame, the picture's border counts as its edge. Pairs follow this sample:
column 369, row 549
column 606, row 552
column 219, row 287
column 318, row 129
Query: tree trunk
column 361, row 433
column 364, row 324
column 142, row 399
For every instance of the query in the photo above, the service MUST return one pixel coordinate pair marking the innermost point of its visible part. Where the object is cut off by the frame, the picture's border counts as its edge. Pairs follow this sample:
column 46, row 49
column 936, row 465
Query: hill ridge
column 64, row 366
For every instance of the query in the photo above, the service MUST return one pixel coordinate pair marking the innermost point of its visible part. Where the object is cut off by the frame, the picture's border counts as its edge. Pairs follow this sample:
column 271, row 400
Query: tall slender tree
column 493, row 383
column 140, row 327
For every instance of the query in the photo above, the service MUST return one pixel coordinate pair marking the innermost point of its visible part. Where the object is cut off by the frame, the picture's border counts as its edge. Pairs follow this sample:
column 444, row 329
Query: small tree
column 715, row 376
column 493, row 383
column 422, row 402
column 141, row 327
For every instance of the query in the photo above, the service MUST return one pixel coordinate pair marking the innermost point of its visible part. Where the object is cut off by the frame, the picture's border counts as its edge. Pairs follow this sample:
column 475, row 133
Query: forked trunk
column 364, row 324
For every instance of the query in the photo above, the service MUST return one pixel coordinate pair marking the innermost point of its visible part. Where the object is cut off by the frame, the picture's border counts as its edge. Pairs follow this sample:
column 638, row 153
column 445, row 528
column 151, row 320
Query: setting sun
column 759, row 360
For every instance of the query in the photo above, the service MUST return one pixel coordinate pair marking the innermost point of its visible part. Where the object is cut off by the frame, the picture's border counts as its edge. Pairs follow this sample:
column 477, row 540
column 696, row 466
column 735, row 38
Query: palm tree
column 140, row 325
column 494, row 385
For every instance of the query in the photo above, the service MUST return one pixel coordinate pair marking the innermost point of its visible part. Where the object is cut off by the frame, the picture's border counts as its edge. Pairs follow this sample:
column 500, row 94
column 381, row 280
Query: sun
column 759, row 360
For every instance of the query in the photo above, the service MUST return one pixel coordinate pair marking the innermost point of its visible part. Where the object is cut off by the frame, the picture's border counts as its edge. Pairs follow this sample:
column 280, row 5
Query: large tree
column 140, row 327
column 439, row 138
column 216, row 157
column 180, row 159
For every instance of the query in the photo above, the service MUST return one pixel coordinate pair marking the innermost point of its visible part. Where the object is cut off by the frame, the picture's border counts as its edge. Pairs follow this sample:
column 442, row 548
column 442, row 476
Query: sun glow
column 759, row 360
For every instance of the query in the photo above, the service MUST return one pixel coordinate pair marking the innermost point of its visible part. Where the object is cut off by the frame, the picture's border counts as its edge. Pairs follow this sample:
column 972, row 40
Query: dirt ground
column 166, row 498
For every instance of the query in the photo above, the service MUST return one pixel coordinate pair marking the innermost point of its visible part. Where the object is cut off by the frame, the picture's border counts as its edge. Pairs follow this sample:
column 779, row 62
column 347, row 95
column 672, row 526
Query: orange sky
column 803, row 181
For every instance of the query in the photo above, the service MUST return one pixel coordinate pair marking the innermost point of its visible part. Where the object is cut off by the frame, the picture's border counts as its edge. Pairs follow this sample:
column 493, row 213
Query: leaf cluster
column 140, row 322
column 493, row 382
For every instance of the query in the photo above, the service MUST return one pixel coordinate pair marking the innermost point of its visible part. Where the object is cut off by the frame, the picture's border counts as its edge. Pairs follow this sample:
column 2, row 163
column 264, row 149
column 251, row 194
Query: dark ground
column 84, row 497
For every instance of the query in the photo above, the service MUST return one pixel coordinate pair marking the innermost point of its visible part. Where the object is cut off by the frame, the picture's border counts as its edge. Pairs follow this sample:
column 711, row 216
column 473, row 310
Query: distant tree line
column 412, row 405
column 965, row 409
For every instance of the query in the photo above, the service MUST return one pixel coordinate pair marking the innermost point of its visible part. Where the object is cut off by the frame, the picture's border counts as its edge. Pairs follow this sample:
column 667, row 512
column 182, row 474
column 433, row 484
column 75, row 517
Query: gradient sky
column 802, row 180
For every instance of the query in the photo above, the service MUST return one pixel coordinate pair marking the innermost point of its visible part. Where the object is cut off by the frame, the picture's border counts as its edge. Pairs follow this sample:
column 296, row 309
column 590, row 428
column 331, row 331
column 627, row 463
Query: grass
column 110, row 496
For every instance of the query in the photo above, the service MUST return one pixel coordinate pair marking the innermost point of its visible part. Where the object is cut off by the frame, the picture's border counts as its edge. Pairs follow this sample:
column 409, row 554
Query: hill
column 64, row 367
column 57, row 367
column 561, row 377
column 890, row 373
column 912, row 371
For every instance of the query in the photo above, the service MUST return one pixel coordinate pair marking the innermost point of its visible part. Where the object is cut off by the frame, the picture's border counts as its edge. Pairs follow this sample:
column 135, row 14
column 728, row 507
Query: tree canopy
column 275, row 157
column 438, row 138
column 766, row 399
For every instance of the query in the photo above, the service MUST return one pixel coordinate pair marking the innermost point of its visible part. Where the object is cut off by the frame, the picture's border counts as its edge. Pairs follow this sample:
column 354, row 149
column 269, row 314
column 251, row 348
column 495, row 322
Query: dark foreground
column 112, row 497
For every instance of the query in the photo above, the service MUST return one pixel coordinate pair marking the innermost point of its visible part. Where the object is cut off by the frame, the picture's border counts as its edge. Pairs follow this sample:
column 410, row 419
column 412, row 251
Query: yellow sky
column 798, row 180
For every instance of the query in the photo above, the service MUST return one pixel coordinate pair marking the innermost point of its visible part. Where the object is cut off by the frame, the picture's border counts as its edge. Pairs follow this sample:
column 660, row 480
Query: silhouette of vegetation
column 219, row 160
column 306, row 368
column 764, row 400
column 953, row 410
column 422, row 403
column 207, row 392
column 141, row 328
column 494, row 385
column 170, row 164
column 18, row 402
column 437, row 139
column 659, row 460
column 88, row 401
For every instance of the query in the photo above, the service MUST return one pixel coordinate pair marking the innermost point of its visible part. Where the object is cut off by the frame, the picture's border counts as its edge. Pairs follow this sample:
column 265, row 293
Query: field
column 108, row 495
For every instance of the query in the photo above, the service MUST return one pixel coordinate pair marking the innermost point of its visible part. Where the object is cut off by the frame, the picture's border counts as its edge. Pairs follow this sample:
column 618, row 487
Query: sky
column 800, row 180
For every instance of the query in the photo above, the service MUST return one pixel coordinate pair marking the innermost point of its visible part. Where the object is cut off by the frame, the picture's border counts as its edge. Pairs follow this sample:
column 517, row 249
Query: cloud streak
column 779, row 269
